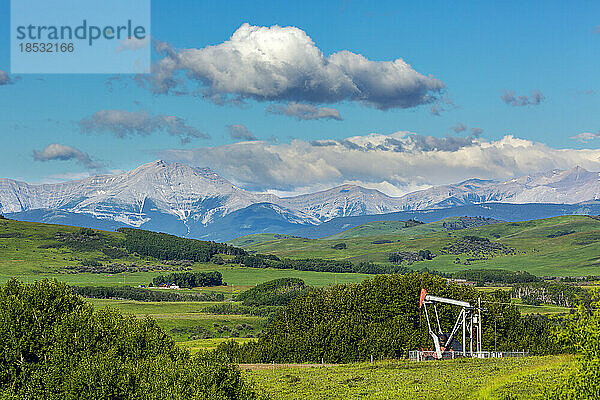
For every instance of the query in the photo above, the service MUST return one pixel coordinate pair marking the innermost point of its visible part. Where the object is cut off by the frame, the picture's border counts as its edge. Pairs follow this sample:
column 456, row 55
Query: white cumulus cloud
column 132, row 44
column 283, row 64
column 586, row 136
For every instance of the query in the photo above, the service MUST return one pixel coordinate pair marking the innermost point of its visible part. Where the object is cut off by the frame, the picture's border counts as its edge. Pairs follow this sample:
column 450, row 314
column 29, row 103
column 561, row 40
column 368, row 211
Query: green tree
column 53, row 345
column 581, row 334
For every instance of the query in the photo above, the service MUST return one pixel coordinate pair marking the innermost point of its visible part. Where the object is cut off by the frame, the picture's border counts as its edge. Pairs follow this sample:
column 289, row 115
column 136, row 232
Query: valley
column 87, row 258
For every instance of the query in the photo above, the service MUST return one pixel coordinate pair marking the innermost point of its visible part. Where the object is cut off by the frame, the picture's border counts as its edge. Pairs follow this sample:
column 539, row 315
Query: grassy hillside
column 410, row 228
column 568, row 245
column 377, row 228
column 256, row 238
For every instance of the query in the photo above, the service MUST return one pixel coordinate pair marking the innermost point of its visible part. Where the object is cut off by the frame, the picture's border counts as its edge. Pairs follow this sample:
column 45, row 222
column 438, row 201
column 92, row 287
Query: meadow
column 508, row 378
column 181, row 318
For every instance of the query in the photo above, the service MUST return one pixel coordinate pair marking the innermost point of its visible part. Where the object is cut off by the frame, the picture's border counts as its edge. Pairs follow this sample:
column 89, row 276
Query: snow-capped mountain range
column 181, row 199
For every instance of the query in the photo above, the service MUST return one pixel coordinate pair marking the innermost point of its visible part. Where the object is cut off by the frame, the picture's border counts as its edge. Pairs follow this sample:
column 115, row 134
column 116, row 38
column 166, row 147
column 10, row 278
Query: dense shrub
column 581, row 334
column 190, row 279
column 278, row 292
column 54, row 346
column 169, row 247
column 411, row 257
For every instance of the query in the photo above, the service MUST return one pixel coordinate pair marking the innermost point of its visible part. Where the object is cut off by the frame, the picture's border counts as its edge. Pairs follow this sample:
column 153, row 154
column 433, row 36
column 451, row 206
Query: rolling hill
column 568, row 245
column 402, row 228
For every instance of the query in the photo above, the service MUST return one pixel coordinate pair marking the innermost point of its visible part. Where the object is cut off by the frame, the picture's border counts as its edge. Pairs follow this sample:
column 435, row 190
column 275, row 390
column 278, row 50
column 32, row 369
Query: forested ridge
column 169, row 247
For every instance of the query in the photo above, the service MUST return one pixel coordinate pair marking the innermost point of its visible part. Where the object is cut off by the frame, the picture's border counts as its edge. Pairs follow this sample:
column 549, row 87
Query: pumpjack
column 469, row 318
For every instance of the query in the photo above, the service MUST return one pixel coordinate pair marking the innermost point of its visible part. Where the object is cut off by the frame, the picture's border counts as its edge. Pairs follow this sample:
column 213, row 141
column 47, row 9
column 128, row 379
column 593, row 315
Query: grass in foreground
column 509, row 378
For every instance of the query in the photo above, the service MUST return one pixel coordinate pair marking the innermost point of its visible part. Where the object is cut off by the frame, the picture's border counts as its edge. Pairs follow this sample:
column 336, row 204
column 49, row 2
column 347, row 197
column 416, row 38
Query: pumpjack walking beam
column 465, row 313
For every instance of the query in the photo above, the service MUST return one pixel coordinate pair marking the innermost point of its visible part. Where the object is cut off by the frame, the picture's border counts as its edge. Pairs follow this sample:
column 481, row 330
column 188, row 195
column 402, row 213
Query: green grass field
column 248, row 240
column 540, row 251
column 237, row 278
column 508, row 378
column 195, row 346
column 184, row 315
column 568, row 245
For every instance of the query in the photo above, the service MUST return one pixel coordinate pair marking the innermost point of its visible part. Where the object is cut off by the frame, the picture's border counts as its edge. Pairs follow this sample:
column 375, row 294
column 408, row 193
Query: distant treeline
column 318, row 265
column 557, row 294
column 190, row 279
column 410, row 257
column 169, row 247
column 502, row 276
column 139, row 294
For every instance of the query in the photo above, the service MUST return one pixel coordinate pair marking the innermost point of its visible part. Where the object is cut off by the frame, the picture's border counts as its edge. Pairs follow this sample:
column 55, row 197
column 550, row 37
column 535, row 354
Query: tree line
column 278, row 292
column 318, row 265
column 558, row 294
column 140, row 294
column 482, row 276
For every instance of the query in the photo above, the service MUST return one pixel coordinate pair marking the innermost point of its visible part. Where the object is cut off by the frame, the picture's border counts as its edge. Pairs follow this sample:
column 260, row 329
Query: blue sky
column 479, row 50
